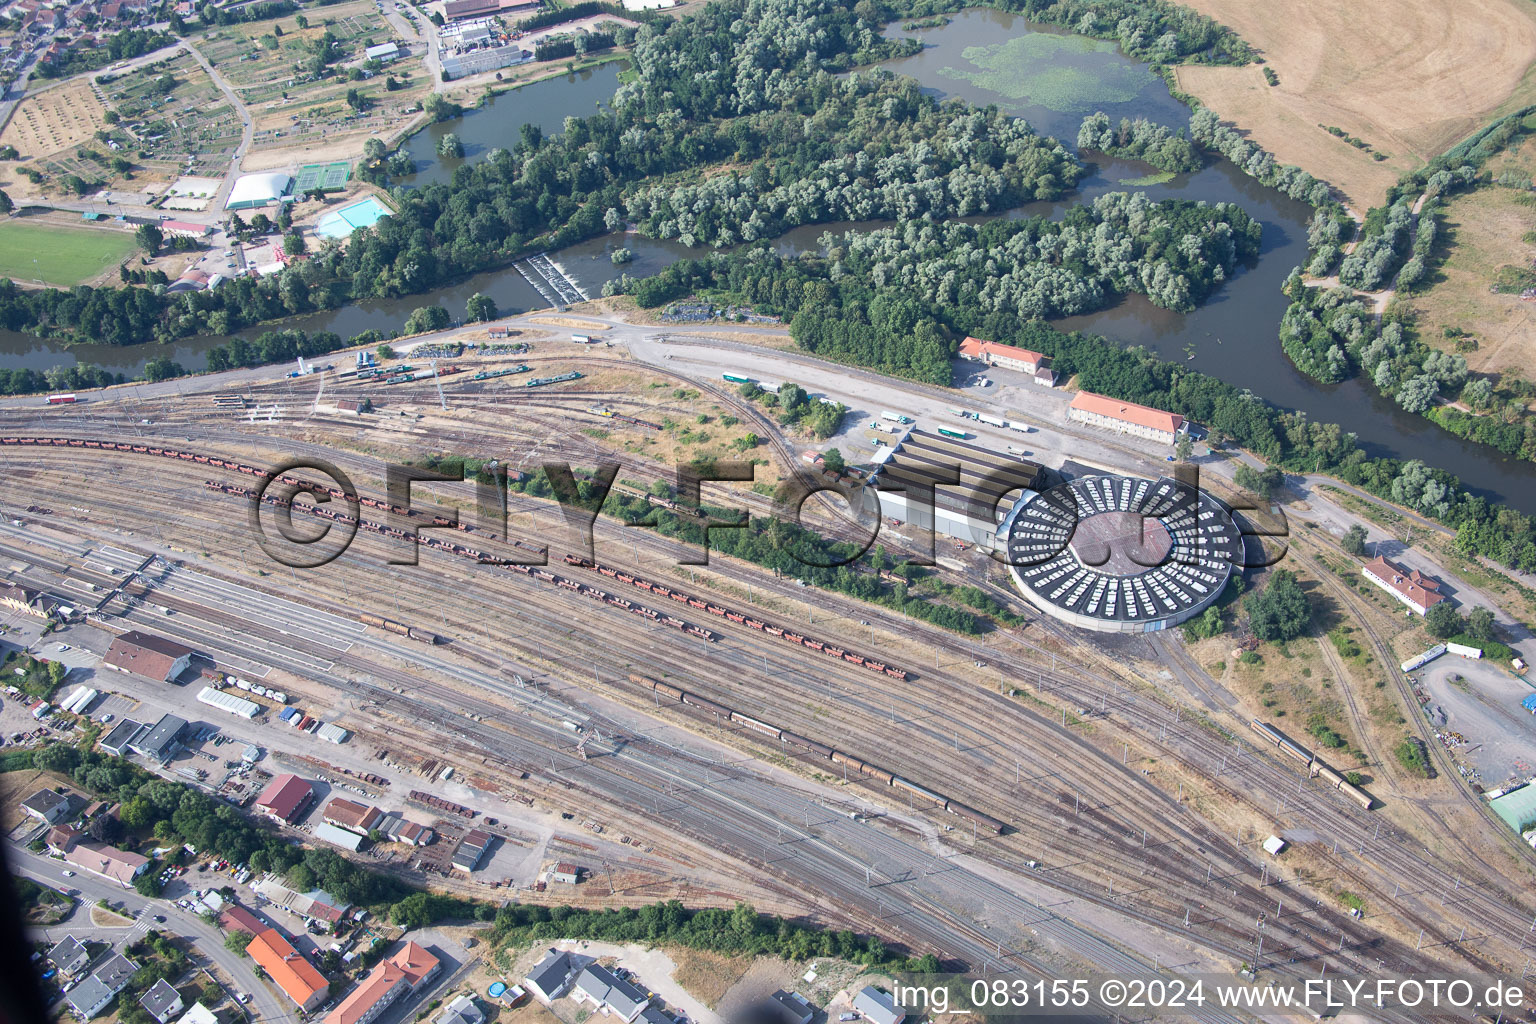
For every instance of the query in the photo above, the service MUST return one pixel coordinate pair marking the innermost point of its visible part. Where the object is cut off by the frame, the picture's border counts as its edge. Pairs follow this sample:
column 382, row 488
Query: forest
column 875, row 311
column 778, row 110
column 1175, row 252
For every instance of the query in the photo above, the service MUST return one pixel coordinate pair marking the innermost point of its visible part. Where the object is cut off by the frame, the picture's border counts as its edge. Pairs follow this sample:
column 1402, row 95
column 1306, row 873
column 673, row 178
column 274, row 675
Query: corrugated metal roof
column 1518, row 809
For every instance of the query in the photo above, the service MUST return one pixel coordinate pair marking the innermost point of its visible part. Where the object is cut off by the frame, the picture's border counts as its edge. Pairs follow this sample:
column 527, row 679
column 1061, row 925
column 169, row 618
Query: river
column 1051, row 78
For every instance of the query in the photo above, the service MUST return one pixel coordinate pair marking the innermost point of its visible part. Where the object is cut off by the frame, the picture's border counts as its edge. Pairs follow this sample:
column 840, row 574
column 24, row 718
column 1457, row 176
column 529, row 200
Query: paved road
column 265, row 1005
column 247, row 133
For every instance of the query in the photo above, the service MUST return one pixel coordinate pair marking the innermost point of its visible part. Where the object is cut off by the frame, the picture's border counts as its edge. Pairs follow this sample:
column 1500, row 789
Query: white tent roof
column 259, row 188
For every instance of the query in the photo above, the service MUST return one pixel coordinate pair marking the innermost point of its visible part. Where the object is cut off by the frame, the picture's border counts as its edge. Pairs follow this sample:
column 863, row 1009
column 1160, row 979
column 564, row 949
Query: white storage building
column 229, row 702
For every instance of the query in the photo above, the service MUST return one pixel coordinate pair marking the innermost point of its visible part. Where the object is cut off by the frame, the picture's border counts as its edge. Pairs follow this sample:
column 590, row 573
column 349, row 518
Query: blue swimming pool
column 341, row 223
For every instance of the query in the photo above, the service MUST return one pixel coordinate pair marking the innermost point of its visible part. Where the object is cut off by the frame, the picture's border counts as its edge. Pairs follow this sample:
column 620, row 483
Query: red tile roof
column 1413, row 585
column 145, row 655
column 284, row 796
column 976, row 348
column 237, row 919
column 413, row 964
column 296, row 976
column 1128, row 412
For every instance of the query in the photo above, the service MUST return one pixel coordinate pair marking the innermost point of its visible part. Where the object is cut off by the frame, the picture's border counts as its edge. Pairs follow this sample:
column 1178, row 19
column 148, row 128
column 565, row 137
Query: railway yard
column 1028, row 800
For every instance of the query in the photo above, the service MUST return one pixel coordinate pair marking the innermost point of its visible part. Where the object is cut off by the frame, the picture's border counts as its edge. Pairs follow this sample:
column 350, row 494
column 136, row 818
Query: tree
column 356, row 100
column 1264, row 482
column 1184, row 448
column 1281, row 611
column 6, row 203
column 832, row 459
column 374, row 149
column 57, row 671
column 427, row 318
column 480, row 307
column 1354, row 540
column 1480, row 624
column 301, row 21
column 147, row 882
column 384, row 353
column 1442, row 621
column 236, row 941
column 104, row 828
column 149, row 237
column 261, row 224
column 450, row 146
column 293, row 243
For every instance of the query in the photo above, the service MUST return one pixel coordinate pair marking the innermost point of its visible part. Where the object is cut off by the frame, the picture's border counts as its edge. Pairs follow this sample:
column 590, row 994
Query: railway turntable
column 1121, row 554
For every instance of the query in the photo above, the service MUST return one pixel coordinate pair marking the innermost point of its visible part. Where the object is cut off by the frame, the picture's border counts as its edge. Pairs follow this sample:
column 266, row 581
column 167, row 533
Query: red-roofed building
column 1009, row 357
column 236, row 918
column 296, row 976
column 184, row 228
column 285, row 798
column 1419, row 592
column 406, row 971
column 120, row 866
column 1126, row 417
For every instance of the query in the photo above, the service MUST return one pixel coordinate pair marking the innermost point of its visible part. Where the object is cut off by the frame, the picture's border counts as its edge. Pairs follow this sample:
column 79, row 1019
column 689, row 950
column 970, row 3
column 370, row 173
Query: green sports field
column 60, row 255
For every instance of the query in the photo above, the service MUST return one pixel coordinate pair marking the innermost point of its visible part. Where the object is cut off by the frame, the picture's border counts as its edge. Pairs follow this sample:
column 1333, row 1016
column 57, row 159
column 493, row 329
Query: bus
column 61, row 399
column 736, row 378
column 957, row 434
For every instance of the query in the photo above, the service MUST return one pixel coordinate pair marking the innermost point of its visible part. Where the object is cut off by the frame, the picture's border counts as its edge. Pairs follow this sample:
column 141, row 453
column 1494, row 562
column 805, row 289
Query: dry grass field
column 54, row 120
column 1480, row 232
column 1410, row 77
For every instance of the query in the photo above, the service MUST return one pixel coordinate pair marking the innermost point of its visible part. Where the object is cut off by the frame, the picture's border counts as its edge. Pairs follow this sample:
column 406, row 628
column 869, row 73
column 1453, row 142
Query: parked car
column 69, row 874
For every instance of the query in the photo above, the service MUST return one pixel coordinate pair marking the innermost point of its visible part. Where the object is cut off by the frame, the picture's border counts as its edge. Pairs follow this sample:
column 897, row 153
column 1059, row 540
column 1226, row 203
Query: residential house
column 609, row 993
column 69, row 956
column 877, row 1007
column 407, row 971
column 161, row 1001
column 109, row 978
column 1125, row 417
column 550, row 976
column 46, row 805
column 109, row 862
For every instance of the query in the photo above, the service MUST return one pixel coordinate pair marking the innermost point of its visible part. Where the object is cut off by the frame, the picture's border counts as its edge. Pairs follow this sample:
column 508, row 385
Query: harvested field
column 54, row 120
column 1480, row 232
column 1411, row 79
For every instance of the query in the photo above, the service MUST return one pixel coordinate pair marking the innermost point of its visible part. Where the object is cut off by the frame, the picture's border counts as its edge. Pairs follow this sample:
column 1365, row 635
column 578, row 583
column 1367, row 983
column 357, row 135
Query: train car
column 805, row 742
column 1269, row 732
column 913, row 788
column 705, row 704
column 1331, row 776
column 838, row 757
column 1296, row 750
column 62, row 399
column 423, row 635
column 1358, row 795
column 875, row 771
column 756, row 726
column 985, row 821
column 897, row 673
column 370, row 619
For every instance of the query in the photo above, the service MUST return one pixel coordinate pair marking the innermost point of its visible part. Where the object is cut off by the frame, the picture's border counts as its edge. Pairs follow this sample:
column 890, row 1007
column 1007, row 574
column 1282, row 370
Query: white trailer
column 895, row 417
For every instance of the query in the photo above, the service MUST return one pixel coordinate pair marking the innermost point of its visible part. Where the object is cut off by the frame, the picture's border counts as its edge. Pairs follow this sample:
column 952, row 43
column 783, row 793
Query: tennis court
column 330, row 177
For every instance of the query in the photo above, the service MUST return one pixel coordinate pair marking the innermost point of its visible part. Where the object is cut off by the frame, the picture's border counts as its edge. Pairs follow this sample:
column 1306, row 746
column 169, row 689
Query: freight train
column 323, row 511
column 414, row 632
column 536, row 571
column 848, row 761
column 1315, row 765
column 826, row 647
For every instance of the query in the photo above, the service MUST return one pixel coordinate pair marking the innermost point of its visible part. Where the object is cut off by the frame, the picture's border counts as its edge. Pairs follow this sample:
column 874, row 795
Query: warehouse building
column 285, row 798
column 153, row 657
column 482, row 59
column 339, row 837
column 1126, row 417
column 401, row 829
column 1516, row 807
column 877, row 1007
column 121, row 737
column 161, row 741
column 351, row 815
column 1414, row 589
column 384, row 52
column 228, row 702
column 971, row 510
column 471, row 849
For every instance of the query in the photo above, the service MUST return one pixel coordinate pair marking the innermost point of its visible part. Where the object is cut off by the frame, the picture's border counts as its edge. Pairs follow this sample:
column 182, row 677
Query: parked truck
column 896, row 417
